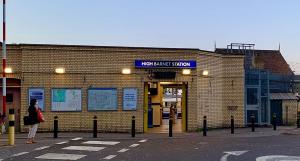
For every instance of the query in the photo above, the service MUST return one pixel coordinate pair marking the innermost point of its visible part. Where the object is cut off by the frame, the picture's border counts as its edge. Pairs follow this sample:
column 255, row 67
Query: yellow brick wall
column 289, row 112
column 101, row 67
column 95, row 67
column 223, row 87
column 233, row 91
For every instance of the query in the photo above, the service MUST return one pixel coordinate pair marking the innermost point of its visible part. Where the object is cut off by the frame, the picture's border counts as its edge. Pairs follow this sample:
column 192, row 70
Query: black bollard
column 55, row 131
column 298, row 123
column 232, row 125
column 133, row 127
column 253, row 123
column 204, row 126
column 274, row 120
column 170, row 127
column 95, row 127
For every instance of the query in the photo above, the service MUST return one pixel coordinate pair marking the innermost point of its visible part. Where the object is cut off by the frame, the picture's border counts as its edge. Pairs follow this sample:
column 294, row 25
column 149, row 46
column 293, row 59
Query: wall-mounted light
column 8, row 70
column 205, row 73
column 60, row 70
column 186, row 71
column 126, row 71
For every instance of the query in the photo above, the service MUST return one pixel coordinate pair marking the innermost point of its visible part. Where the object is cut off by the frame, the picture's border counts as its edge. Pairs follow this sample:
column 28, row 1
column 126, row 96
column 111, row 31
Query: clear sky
column 159, row 23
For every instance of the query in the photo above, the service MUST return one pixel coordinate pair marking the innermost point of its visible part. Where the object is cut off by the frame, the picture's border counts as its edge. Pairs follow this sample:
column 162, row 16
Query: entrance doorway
column 165, row 101
column 13, row 100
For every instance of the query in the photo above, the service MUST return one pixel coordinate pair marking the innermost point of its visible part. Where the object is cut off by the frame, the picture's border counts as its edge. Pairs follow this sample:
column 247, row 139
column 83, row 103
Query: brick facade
column 92, row 66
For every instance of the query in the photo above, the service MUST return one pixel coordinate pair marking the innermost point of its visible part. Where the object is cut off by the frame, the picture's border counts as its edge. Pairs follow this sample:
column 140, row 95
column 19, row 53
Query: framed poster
column 100, row 99
column 130, row 96
column 39, row 95
column 66, row 99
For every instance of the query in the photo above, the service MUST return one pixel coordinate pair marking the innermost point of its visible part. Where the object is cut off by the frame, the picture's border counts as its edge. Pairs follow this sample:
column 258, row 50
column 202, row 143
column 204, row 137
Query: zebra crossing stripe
column 123, row 150
column 18, row 154
column 61, row 142
column 101, row 142
column 142, row 141
column 76, row 139
column 41, row 148
column 84, row 148
column 110, row 157
column 58, row 156
column 134, row 145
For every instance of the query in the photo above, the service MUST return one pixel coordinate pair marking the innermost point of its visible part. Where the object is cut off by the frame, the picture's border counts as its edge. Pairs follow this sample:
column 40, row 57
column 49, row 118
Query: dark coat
column 33, row 115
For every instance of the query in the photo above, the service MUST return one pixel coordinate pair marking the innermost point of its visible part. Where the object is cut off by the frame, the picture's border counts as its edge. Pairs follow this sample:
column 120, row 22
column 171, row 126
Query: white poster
column 130, row 98
column 102, row 99
column 66, row 100
column 39, row 95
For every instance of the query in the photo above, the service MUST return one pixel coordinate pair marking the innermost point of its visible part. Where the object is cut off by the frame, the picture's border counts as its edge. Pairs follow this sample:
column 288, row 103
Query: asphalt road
column 188, row 147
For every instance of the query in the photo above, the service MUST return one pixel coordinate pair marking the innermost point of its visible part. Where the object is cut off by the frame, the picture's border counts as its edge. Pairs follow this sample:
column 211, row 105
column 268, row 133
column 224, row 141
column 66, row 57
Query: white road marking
column 236, row 153
column 76, row 139
column 134, row 145
column 123, row 150
column 278, row 158
column 1, row 159
column 84, row 148
column 102, row 142
column 142, row 141
column 62, row 142
column 61, row 156
column 18, row 154
column 41, row 148
column 110, row 157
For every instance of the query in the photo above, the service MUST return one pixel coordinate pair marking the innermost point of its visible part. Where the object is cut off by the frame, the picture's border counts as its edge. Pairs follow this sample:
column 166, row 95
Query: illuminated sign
column 189, row 64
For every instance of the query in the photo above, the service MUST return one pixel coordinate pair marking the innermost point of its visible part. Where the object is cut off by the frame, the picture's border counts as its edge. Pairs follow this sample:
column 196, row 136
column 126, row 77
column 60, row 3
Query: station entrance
column 164, row 101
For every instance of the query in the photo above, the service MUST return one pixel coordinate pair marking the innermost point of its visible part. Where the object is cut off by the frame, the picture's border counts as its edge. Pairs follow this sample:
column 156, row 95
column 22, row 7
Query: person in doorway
column 33, row 115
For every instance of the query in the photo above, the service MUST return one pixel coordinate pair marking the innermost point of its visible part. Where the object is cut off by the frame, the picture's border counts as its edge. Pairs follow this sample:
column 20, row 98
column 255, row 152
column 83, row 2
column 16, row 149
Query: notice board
column 102, row 99
column 39, row 95
column 66, row 100
column 130, row 98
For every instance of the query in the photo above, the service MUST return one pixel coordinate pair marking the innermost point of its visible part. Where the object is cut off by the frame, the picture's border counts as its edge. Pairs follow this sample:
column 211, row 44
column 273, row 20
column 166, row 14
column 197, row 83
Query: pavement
column 219, row 144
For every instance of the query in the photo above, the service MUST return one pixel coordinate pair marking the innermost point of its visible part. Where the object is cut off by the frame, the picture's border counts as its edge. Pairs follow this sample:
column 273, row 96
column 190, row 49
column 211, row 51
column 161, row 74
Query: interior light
column 126, row 71
column 186, row 71
column 8, row 70
column 60, row 70
column 205, row 73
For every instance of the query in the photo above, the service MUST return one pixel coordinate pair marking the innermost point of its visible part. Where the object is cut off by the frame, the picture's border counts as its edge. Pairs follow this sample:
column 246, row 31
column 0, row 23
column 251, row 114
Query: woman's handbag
column 27, row 120
column 40, row 116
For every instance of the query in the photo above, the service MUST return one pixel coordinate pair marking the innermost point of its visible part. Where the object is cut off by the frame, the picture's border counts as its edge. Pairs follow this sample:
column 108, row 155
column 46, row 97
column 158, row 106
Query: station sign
column 187, row 64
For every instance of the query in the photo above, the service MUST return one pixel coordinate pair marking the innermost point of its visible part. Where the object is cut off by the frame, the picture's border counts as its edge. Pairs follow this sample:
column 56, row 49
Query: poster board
column 101, row 99
column 39, row 95
column 130, row 96
column 66, row 99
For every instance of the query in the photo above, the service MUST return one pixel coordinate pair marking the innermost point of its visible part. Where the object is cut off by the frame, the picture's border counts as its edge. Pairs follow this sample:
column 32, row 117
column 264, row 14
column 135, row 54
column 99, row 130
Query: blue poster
column 102, row 99
column 130, row 98
column 38, row 94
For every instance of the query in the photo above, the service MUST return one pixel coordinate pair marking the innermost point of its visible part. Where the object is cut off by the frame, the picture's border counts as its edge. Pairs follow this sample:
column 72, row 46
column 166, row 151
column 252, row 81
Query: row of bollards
column 204, row 130
column 252, row 119
column 95, row 131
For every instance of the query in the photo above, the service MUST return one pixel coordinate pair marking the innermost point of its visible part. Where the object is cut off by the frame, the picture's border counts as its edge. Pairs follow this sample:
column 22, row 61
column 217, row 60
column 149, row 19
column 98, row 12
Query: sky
column 159, row 23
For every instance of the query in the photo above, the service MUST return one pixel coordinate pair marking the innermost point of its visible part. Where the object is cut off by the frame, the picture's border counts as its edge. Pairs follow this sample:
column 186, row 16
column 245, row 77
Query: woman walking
column 33, row 115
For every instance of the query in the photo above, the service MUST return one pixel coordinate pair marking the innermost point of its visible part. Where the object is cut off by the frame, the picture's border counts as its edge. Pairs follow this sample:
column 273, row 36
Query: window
column 252, row 96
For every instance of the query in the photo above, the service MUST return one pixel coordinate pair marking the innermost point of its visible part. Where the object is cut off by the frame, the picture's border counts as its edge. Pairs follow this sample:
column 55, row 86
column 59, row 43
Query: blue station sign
column 189, row 64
